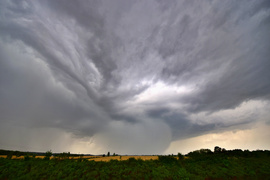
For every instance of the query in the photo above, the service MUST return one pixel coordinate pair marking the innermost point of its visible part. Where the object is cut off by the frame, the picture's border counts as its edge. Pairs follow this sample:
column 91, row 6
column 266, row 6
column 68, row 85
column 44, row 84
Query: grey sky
column 131, row 76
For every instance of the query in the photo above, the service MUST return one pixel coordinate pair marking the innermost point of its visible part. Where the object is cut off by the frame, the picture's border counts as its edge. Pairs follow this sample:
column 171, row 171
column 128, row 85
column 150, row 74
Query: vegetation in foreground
column 200, row 164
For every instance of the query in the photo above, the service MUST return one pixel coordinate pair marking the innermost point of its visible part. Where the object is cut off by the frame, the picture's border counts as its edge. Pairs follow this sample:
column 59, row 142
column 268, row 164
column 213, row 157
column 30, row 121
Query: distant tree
column 64, row 155
column 180, row 156
column 114, row 154
column 17, row 153
column 236, row 152
column 48, row 154
column 205, row 151
column 103, row 155
column 217, row 149
column 108, row 154
column 246, row 153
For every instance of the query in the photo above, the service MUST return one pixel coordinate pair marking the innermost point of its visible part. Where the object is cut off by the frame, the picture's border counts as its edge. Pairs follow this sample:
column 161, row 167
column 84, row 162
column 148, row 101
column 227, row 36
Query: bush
column 167, row 159
column 26, row 157
column 180, row 156
column 48, row 154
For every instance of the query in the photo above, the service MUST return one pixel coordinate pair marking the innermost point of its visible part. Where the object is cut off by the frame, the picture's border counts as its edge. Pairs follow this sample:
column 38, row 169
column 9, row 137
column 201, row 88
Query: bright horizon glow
column 240, row 139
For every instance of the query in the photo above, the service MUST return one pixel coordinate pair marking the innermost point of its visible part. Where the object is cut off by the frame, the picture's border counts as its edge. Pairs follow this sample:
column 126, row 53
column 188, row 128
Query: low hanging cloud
column 134, row 76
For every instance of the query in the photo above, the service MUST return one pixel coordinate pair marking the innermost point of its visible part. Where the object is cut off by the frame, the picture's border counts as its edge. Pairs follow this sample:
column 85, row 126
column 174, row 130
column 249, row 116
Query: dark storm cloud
column 247, row 79
column 244, row 50
column 30, row 97
column 82, row 66
column 179, row 123
column 182, row 127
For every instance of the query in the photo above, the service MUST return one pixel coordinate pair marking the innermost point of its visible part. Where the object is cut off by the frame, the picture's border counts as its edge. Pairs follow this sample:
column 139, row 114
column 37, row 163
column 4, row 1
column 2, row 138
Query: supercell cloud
column 134, row 77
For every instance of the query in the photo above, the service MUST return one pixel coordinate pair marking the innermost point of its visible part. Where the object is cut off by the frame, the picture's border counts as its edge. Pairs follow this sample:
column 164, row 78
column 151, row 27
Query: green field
column 201, row 164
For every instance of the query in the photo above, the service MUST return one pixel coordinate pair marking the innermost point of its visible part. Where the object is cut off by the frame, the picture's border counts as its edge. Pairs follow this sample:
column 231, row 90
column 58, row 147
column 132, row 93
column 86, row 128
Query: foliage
column 64, row 155
column 48, row 154
column 200, row 164
column 167, row 159
column 180, row 156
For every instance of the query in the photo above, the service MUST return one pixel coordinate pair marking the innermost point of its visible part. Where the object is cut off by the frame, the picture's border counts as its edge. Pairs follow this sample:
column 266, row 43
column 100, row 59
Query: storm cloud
column 131, row 76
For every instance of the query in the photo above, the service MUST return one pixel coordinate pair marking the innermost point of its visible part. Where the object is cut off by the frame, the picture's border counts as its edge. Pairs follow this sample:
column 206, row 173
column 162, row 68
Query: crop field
column 95, row 158
column 123, row 158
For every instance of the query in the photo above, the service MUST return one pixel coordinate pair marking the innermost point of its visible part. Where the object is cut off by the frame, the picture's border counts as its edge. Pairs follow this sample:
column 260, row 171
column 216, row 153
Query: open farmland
column 122, row 158
column 200, row 164
column 95, row 158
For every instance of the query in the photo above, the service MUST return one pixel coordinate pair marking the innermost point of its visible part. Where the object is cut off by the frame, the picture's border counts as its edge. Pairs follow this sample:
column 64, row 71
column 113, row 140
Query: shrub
column 167, row 159
column 180, row 156
column 27, row 157
column 48, row 154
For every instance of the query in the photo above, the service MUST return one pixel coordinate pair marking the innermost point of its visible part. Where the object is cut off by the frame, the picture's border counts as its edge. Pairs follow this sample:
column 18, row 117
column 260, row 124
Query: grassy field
column 199, row 164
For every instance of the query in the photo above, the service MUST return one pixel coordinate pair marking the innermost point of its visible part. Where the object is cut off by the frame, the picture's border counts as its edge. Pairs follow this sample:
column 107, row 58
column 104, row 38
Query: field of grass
column 201, row 164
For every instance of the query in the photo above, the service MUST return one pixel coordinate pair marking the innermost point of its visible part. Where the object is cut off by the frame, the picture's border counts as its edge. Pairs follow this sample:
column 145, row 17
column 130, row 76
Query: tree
column 48, row 154
column 108, row 154
column 180, row 156
column 205, row 151
column 217, row 149
column 167, row 159
column 17, row 153
column 64, row 155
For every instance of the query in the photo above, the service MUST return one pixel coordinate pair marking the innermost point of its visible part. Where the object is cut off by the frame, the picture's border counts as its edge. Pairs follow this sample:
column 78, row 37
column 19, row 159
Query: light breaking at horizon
column 134, row 77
